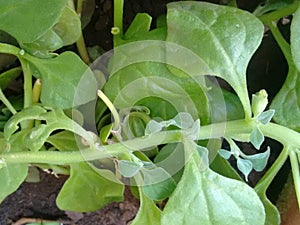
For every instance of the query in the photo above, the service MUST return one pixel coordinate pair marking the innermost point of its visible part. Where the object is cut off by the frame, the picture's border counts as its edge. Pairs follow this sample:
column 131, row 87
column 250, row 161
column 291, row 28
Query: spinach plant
column 150, row 114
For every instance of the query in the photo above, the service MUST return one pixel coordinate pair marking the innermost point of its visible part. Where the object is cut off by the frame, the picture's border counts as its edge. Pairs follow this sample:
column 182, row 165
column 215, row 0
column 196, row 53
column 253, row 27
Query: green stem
column 109, row 104
column 7, row 103
column 117, row 30
column 283, row 12
column 296, row 174
column 80, row 43
column 9, row 49
column 284, row 46
column 27, row 89
column 265, row 181
column 231, row 128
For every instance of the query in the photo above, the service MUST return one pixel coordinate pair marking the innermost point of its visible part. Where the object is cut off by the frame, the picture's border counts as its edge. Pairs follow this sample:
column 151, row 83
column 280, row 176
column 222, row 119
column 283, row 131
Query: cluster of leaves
column 163, row 148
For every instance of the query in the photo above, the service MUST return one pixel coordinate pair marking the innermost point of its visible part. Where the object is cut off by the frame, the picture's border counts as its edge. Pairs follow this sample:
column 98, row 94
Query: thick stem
column 118, row 22
column 296, row 173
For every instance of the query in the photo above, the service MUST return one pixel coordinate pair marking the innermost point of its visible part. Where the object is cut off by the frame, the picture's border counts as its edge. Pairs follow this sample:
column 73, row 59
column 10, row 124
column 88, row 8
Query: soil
column 37, row 200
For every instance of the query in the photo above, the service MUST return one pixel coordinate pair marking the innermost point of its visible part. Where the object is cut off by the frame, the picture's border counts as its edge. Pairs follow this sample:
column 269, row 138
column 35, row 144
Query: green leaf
column 28, row 20
column 128, row 168
column 12, row 175
column 157, row 183
column 66, row 79
column 226, row 39
column 212, row 199
column 8, row 76
column 259, row 161
column 139, row 26
column 89, row 189
column 287, row 101
column 63, row 141
column 266, row 117
column 225, row 153
column 256, row 137
column 148, row 212
column 245, row 166
column 140, row 71
column 45, row 44
column 271, row 5
column 68, row 27
column 29, row 113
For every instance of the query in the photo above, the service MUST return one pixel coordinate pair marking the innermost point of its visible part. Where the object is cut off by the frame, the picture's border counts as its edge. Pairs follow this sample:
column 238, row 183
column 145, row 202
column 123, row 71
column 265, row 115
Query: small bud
column 259, row 102
column 115, row 30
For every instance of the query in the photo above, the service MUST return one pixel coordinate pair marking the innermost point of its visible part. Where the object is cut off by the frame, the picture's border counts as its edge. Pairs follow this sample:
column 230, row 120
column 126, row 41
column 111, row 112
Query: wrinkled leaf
column 67, row 81
column 89, row 189
column 212, row 199
column 226, row 39
column 148, row 212
column 28, row 20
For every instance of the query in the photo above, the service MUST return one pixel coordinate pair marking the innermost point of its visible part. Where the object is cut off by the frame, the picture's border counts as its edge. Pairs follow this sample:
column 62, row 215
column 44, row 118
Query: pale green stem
column 80, row 43
column 7, row 103
column 296, row 173
column 117, row 30
column 109, row 104
column 265, row 181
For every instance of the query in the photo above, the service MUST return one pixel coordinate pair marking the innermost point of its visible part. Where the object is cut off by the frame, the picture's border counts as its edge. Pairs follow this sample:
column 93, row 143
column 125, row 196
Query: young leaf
column 256, row 137
column 226, row 38
column 100, row 188
column 245, row 166
column 266, row 117
column 28, row 20
column 259, row 161
column 61, row 77
column 63, row 141
column 212, row 199
column 148, row 213
column 129, row 169
column 225, row 153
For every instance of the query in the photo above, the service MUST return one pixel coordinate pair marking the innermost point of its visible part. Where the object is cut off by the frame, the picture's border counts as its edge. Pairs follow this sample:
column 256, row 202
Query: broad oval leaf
column 225, row 38
column 88, row 189
column 27, row 20
column 212, row 199
column 66, row 80
column 148, row 212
